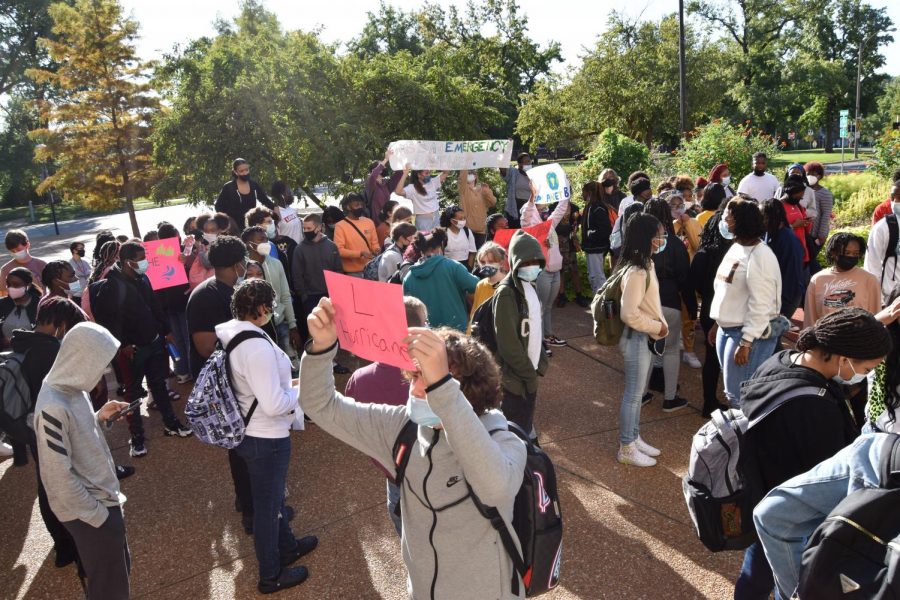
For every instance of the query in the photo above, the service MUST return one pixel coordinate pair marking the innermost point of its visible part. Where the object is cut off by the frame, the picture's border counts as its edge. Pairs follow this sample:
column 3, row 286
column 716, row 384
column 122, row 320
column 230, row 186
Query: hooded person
column 77, row 467
column 518, row 330
column 808, row 201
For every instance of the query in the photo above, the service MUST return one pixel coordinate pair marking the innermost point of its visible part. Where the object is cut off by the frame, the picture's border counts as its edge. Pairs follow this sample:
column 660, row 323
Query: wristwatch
column 746, row 343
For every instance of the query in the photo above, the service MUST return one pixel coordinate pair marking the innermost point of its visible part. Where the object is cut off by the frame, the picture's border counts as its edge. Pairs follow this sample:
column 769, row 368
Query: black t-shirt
column 208, row 306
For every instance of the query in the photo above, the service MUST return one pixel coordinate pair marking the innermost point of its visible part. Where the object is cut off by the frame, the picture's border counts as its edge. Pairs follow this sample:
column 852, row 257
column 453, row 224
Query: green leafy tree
column 614, row 151
column 886, row 158
column 722, row 142
column 887, row 110
column 19, row 175
column 99, row 116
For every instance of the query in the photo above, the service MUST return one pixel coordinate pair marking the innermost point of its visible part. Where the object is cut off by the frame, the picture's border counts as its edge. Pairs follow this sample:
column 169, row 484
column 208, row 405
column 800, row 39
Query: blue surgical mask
column 270, row 231
column 662, row 246
column 75, row 288
column 857, row 377
column 420, row 413
column 615, row 239
column 726, row 180
column 723, row 230
column 895, row 206
column 142, row 266
column 529, row 273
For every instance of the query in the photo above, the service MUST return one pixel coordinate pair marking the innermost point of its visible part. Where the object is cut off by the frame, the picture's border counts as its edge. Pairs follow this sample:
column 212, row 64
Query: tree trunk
column 129, row 204
column 829, row 128
column 312, row 197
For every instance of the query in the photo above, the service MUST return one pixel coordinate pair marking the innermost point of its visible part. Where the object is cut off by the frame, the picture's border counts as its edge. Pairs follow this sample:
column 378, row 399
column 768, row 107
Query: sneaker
column 674, row 404
column 177, row 429
column 182, row 379
column 173, row 395
column 124, row 472
column 5, row 450
column 137, row 448
column 304, row 546
column 646, row 398
column 691, row 360
column 552, row 340
column 582, row 301
column 646, row 448
column 630, row 455
column 288, row 578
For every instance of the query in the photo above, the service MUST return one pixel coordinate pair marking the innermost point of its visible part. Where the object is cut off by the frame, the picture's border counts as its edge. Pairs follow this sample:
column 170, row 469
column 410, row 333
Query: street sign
column 845, row 113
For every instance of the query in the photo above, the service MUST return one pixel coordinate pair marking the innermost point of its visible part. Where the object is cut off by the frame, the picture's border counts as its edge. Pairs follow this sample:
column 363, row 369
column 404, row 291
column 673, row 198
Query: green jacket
column 519, row 375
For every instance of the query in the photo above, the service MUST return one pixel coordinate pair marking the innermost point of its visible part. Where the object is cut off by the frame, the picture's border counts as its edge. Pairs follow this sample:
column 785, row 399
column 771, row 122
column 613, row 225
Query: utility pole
column 681, row 73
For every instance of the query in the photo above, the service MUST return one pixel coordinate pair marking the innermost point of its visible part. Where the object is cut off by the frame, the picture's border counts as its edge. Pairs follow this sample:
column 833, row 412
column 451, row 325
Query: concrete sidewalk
column 627, row 531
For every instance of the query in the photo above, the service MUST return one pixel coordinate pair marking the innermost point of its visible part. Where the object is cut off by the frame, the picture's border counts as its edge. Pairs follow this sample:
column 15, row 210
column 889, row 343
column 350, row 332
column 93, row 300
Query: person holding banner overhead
column 379, row 186
column 423, row 192
column 475, row 199
column 518, row 188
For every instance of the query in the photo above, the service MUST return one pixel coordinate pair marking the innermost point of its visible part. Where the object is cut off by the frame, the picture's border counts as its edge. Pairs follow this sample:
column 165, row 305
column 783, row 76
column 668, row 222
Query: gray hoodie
column 449, row 549
column 77, row 468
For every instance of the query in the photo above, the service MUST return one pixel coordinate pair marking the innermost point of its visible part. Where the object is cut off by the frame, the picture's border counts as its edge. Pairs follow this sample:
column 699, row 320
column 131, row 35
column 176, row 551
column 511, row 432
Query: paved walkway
column 627, row 531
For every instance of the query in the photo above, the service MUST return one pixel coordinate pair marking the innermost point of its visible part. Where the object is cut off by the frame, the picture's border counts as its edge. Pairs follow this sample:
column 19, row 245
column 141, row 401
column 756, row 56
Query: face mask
column 142, row 266
column 79, row 253
column 723, row 230
column 16, row 292
column 662, row 246
column 608, row 183
column 792, row 201
column 678, row 212
column 240, row 278
column 243, row 177
column 812, row 179
column 75, row 288
column 210, row 237
column 310, row 235
column 726, row 180
column 426, row 179
column 471, row 179
column 895, row 207
column 759, row 172
column 420, row 412
column 845, row 263
column 488, row 270
column 857, row 377
column 529, row 273
column 357, row 212
column 526, row 167
column 270, row 230
column 264, row 248
column 615, row 239
column 267, row 318
column 460, row 223
column 21, row 254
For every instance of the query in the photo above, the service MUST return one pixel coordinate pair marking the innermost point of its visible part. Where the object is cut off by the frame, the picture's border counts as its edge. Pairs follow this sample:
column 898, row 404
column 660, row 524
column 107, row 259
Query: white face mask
column 21, row 254
column 526, row 167
column 460, row 223
column 210, row 237
column 16, row 292
column 264, row 248
column 813, row 180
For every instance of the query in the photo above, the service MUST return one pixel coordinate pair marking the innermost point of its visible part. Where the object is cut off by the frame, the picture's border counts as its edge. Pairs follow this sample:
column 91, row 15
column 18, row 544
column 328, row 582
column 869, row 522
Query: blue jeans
column 426, row 222
column 547, row 286
column 790, row 513
column 595, row 268
column 178, row 325
column 267, row 462
column 727, row 341
column 638, row 359
column 755, row 581
column 393, row 499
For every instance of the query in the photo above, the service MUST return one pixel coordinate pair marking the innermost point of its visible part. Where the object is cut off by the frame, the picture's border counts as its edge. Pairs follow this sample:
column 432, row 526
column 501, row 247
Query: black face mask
column 310, row 235
column 794, row 201
column 845, row 263
column 357, row 212
column 608, row 183
column 79, row 253
column 759, row 172
column 242, row 177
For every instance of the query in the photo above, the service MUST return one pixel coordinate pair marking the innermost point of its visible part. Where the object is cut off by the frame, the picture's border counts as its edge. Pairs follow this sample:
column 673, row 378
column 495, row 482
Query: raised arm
column 402, row 182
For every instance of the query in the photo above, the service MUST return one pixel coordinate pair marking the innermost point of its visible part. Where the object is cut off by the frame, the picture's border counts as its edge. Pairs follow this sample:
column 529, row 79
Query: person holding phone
column 77, row 468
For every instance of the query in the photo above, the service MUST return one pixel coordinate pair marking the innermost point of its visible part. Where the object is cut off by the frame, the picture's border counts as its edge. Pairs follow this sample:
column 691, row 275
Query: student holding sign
column 423, row 191
column 475, row 199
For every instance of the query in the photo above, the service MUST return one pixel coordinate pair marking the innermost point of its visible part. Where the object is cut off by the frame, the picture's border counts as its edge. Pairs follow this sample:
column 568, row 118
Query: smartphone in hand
column 121, row 413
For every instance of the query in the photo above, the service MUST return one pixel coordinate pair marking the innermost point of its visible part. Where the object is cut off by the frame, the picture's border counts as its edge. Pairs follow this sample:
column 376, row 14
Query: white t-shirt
column 459, row 245
column 535, row 326
column 291, row 225
column 761, row 187
column 427, row 204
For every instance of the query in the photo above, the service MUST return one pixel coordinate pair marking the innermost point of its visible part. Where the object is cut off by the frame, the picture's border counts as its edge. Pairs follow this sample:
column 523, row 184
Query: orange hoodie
column 351, row 244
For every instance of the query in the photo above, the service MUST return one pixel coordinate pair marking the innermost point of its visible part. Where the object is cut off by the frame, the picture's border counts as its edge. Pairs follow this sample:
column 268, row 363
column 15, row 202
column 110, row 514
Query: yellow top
column 483, row 292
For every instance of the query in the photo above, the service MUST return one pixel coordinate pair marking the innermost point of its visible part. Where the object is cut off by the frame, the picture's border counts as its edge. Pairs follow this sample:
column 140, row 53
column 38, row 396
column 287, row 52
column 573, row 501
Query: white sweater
column 875, row 253
column 261, row 370
column 748, row 289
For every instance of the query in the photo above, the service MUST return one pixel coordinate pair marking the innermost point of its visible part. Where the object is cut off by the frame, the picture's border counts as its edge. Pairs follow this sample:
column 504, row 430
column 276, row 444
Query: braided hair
column 249, row 296
column 107, row 257
column 59, row 311
column 54, row 271
column 850, row 332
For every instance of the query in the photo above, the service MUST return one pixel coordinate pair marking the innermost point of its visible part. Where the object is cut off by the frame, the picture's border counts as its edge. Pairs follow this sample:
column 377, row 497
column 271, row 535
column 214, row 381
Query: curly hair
column 53, row 271
column 435, row 240
column 59, row 311
column 448, row 214
column 226, row 251
column 473, row 365
column 837, row 245
column 259, row 214
column 249, row 296
column 851, row 332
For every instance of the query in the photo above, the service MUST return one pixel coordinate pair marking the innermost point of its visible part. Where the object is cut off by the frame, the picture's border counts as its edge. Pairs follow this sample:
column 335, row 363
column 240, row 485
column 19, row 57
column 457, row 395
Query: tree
column 22, row 24
column 99, row 120
column 19, row 176
column 720, row 142
column 888, row 108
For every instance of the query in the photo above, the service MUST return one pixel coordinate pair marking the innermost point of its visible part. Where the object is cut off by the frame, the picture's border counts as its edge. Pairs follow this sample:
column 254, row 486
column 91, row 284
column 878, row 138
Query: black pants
column 104, row 555
column 711, row 367
column 240, row 477
column 479, row 239
column 63, row 543
column 519, row 409
column 150, row 361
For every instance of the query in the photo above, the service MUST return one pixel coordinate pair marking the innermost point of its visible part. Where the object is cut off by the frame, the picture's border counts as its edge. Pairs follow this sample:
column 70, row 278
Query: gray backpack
column 212, row 410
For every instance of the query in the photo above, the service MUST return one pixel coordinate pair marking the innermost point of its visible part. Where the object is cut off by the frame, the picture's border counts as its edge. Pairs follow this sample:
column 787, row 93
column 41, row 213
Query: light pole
column 681, row 73
column 44, row 174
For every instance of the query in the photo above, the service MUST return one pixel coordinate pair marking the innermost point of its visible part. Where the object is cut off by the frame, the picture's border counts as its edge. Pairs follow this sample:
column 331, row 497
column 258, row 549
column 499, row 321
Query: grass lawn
column 804, row 156
column 70, row 210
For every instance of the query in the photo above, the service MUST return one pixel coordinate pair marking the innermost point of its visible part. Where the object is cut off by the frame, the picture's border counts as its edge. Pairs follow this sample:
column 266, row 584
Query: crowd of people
column 693, row 256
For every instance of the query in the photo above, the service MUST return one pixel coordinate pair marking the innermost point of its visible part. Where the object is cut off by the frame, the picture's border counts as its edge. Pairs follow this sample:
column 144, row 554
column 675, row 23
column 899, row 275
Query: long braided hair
column 109, row 253
column 850, row 332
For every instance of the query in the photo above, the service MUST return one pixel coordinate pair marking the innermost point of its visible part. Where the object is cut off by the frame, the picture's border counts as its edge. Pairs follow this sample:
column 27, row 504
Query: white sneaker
column 182, row 379
column 646, row 448
column 690, row 359
column 630, row 455
column 5, row 450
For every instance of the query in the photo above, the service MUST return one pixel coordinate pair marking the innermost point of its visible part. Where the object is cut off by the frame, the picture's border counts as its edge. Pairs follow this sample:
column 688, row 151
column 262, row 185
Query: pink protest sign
column 539, row 231
column 371, row 318
column 165, row 269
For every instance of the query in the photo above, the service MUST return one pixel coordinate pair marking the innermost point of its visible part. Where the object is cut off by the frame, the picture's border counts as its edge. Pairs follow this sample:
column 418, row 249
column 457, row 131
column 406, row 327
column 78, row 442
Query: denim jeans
column 755, row 581
column 178, row 325
column 595, row 268
column 426, row 222
column 393, row 499
column 267, row 462
column 547, row 286
column 727, row 341
column 671, row 358
column 789, row 514
column 637, row 358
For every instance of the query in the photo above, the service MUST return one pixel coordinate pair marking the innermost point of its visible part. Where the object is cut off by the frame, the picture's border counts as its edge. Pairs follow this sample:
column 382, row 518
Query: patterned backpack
column 212, row 411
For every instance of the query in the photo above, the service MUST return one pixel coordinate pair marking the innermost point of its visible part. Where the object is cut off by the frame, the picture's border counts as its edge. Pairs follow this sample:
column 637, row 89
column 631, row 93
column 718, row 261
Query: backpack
column 402, row 270
column 370, row 271
column 212, row 410
column 719, row 495
column 606, row 309
column 855, row 551
column 483, row 328
column 893, row 238
column 15, row 396
column 537, row 520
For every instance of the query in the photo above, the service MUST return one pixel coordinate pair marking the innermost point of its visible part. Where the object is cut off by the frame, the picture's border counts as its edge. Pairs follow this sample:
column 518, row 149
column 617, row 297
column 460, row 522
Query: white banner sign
column 451, row 156
column 551, row 182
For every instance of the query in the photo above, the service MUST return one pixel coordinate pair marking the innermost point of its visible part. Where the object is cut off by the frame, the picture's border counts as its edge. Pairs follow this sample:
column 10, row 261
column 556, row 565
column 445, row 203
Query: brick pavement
column 628, row 534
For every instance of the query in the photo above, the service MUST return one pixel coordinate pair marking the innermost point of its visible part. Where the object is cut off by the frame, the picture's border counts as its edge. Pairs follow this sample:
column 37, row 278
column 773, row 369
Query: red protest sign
column 370, row 318
column 165, row 269
column 540, row 233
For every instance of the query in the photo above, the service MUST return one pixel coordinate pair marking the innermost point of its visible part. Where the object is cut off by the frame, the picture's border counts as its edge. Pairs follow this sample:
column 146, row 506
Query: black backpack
column 483, row 328
column 855, row 552
column 537, row 520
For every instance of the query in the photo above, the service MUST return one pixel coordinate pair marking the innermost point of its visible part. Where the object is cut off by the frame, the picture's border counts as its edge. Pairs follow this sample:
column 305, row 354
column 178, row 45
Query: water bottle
column 173, row 351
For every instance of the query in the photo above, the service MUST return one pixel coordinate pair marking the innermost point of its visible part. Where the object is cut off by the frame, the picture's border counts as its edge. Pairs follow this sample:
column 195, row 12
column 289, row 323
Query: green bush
column 613, row 151
column 857, row 210
column 886, row 157
column 843, row 186
column 721, row 142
